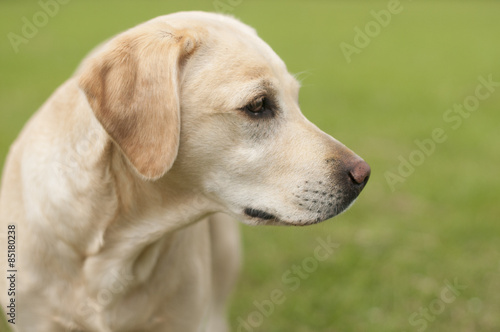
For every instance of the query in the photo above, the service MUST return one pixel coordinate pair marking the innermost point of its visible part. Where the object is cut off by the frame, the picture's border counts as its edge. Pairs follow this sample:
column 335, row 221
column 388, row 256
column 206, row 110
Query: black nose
column 360, row 173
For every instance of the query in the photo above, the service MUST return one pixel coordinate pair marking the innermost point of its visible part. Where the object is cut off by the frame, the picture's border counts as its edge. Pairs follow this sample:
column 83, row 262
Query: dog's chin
column 255, row 216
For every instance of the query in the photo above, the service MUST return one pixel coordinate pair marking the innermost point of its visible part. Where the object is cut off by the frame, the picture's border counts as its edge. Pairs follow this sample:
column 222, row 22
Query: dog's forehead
column 228, row 41
column 232, row 60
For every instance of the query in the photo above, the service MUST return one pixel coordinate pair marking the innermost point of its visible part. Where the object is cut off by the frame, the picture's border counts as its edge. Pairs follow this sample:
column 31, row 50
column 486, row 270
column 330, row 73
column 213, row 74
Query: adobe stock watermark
column 226, row 6
column 89, row 308
column 453, row 117
column 449, row 293
column 372, row 29
column 291, row 280
column 68, row 164
column 30, row 26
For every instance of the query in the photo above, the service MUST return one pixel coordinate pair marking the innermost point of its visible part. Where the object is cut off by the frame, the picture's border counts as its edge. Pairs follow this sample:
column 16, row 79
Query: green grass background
column 396, row 249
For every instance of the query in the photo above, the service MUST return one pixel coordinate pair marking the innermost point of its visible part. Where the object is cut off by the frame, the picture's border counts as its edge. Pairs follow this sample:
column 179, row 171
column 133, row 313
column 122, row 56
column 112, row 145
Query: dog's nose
column 360, row 172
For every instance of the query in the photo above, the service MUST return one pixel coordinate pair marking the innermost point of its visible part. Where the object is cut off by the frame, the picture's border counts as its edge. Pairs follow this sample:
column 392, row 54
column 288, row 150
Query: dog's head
column 202, row 98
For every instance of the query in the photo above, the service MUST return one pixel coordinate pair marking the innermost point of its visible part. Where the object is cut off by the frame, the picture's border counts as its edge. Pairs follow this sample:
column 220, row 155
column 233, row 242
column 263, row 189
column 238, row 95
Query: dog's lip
column 271, row 219
column 259, row 214
column 267, row 218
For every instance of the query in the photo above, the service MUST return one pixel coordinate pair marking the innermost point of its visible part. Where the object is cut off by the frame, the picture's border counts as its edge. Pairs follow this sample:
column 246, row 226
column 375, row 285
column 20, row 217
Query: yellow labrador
column 114, row 185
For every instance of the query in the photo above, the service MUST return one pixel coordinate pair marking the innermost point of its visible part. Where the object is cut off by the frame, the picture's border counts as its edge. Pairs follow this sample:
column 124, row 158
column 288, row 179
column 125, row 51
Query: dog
column 123, row 188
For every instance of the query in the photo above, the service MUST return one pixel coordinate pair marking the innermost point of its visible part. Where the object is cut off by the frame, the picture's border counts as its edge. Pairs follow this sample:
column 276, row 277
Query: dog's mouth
column 260, row 217
column 265, row 218
column 312, row 201
column 259, row 214
column 318, row 209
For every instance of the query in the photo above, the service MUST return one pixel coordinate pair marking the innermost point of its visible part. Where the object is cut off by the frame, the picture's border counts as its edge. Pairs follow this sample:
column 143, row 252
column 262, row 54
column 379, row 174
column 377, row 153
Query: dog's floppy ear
column 132, row 86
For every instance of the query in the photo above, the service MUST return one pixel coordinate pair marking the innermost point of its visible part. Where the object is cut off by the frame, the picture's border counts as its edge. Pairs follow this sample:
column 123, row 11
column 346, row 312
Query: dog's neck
column 146, row 216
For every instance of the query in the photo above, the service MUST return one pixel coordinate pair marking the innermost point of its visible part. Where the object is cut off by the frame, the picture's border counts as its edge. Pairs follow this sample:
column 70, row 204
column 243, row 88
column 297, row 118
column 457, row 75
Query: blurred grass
column 396, row 248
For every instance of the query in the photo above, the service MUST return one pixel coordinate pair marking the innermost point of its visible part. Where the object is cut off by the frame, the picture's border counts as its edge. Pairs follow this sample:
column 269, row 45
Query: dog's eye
column 259, row 108
column 256, row 106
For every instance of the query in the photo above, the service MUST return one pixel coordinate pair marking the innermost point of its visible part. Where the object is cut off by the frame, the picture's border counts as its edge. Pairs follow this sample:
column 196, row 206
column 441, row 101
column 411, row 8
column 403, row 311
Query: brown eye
column 256, row 106
column 260, row 108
